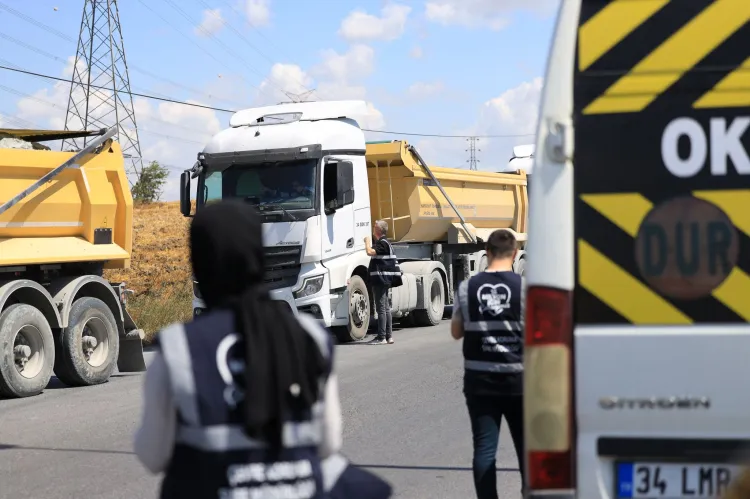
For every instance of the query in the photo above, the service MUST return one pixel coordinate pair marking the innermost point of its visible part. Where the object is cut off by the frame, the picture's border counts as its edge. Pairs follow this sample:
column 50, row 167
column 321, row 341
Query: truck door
column 660, row 300
column 338, row 224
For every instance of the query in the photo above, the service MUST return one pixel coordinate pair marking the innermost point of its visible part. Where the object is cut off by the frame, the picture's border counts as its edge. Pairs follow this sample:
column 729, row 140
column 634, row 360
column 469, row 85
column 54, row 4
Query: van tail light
column 549, row 418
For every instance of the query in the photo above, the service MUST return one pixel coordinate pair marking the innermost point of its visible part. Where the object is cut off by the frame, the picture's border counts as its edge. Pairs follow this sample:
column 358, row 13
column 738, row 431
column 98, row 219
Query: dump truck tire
column 433, row 314
column 359, row 312
column 89, row 346
column 25, row 339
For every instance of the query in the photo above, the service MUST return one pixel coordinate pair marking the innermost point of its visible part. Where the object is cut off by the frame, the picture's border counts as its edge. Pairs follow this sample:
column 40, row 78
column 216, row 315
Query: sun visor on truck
column 223, row 160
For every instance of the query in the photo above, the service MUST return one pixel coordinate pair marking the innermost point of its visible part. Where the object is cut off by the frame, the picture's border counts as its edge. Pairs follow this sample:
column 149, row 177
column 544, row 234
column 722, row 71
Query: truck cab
column 300, row 165
column 638, row 298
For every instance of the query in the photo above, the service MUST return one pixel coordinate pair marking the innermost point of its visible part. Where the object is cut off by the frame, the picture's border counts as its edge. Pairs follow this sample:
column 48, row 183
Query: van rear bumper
column 682, row 449
column 550, row 494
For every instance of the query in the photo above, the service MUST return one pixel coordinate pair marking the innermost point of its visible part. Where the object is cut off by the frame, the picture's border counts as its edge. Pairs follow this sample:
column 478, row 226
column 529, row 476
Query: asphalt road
column 404, row 418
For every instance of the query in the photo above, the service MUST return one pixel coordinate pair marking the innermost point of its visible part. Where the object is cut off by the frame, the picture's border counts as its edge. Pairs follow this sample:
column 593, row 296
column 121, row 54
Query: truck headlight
column 310, row 286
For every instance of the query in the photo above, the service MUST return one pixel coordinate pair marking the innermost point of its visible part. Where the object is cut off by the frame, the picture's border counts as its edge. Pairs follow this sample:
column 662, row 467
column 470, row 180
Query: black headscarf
column 226, row 249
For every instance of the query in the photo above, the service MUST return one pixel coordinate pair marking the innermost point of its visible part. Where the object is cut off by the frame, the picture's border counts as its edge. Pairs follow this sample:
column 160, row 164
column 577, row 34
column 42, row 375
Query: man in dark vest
column 384, row 274
column 488, row 315
column 243, row 401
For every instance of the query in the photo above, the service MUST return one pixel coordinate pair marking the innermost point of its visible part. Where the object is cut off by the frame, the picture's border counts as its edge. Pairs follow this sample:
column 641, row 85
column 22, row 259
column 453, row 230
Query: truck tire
column 520, row 267
column 359, row 311
column 483, row 264
column 89, row 346
column 27, row 351
column 433, row 314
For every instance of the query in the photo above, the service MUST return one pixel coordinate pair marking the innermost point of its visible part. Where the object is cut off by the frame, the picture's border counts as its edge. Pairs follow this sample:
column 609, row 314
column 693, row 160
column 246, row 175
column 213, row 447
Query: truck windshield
column 287, row 186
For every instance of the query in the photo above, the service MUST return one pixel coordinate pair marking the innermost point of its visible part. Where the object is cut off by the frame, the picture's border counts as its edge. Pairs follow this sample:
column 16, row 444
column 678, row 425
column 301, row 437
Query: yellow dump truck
column 319, row 187
column 64, row 218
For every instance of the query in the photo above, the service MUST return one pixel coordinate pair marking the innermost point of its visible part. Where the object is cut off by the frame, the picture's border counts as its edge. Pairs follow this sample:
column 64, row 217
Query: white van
column 637, row 356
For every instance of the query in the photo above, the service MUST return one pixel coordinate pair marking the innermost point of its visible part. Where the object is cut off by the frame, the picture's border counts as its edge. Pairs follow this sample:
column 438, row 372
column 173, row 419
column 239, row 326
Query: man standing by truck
column 488, row 315
column 384, row 274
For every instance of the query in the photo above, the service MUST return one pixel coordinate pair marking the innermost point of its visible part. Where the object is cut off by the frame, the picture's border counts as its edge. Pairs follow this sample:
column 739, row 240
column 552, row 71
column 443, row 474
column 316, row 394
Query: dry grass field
column 159, row 271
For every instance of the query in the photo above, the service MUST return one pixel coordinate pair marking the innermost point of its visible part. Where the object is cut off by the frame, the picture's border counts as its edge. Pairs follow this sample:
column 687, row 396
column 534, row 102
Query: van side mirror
column 185, row 205
column 338, row 185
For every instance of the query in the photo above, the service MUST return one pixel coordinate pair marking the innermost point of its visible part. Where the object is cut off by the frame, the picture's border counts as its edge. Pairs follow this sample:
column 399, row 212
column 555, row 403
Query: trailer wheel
column 520, row 266
column 359, row 311
column 89, row 346
column 433, row 314
column 27, row 351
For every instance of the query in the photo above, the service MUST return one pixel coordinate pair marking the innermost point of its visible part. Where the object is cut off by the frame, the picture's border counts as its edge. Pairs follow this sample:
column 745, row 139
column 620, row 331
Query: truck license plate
column 673, row 481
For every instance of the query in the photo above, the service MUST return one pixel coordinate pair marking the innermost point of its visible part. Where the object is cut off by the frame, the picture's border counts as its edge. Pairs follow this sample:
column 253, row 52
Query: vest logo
column 493, row 298
column 228, row 369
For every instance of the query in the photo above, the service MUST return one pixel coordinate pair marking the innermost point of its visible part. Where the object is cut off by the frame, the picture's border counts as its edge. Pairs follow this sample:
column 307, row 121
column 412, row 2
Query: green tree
column 150, row 183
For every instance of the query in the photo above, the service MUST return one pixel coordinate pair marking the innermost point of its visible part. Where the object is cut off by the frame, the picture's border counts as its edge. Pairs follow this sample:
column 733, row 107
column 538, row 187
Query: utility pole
column 100, row 95
column 473, row 152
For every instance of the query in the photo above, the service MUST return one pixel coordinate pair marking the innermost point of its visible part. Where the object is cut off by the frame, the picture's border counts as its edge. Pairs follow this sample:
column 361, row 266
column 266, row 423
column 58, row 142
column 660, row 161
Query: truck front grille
column 282, row 265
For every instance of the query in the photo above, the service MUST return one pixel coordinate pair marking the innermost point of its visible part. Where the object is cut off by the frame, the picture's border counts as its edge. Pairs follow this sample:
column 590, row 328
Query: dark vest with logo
column 384, row 269
column 493, row 334
column 212, row 456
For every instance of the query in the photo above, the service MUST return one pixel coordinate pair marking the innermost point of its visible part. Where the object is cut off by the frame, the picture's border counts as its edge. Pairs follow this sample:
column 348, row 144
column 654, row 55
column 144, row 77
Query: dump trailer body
column 82, row 215
column 64, row 218
column 404, row 194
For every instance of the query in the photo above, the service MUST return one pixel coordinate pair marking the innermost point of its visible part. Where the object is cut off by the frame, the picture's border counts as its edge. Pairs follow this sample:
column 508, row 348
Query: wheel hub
column 95, row 342
column 28, row 351
column 358, row 306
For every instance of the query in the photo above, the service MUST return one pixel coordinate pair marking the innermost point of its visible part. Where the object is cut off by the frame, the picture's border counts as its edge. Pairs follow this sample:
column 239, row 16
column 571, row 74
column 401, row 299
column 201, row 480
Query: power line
column 139, row 128
column 136, row 68
column 146, row 96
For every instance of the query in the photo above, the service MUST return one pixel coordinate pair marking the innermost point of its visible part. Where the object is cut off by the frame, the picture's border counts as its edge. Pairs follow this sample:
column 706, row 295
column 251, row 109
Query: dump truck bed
column 403, row 193
column 81, row 215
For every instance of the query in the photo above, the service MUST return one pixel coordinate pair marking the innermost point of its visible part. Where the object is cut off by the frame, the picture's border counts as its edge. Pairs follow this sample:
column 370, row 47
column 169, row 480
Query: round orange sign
column 686, row 247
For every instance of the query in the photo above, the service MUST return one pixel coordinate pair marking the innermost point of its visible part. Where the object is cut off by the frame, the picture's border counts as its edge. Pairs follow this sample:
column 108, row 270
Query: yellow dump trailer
column 407, row 194
column 64, row 218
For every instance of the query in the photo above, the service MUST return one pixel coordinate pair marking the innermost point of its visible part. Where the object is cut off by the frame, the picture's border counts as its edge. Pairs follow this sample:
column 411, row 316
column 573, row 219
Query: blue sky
column 456, row 67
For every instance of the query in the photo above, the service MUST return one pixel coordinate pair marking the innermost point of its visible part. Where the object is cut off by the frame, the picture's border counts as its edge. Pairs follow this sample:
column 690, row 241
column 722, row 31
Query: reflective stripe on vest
column 486, row 327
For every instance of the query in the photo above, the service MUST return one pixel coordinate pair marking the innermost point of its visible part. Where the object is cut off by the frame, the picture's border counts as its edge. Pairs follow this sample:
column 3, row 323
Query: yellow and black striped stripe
column 639, row 65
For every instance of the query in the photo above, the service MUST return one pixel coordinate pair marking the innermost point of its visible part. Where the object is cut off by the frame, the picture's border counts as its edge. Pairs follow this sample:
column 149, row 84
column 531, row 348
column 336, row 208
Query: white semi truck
column 319, row 187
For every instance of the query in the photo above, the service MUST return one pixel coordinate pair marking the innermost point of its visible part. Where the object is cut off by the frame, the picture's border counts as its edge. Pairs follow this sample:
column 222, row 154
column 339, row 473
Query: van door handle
column 350, row 243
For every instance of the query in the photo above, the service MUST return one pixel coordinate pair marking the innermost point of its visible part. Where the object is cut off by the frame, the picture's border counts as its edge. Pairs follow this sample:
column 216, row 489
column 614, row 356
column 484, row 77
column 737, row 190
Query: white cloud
column 493, row 14
column 423, row 90
column 211, row 23
column 514, row 112
column 361, row 26
column 416, row 52
column 258, row 12
column 357, row 62
column 336, row 77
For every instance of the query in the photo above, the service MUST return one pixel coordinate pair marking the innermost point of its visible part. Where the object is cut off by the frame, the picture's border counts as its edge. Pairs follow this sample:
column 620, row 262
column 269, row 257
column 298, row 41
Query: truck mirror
column 185, row 205
column 344, row 183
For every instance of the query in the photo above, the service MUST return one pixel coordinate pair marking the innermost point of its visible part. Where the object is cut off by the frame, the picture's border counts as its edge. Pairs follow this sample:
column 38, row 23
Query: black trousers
column 486, row 414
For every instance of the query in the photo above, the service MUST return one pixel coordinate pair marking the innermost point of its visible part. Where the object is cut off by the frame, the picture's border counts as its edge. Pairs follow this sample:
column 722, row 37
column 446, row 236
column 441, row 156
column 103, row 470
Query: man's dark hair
column 501, row 244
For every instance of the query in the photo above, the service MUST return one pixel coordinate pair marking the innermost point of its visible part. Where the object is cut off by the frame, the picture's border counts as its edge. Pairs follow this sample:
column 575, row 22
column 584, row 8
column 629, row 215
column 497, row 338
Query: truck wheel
column 359, row 311
column 520, row 267
column 433, row 314
column 482, row 264
column 28, row 351
column 89, row 346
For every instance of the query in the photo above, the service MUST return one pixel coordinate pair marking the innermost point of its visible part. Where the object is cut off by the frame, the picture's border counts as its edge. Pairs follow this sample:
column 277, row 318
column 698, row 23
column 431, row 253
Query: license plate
column 673, row 481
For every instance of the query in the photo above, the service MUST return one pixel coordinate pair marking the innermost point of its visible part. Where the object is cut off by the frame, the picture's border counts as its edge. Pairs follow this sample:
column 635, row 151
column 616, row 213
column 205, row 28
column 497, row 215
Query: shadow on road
column 92, row 451
column 429, row 468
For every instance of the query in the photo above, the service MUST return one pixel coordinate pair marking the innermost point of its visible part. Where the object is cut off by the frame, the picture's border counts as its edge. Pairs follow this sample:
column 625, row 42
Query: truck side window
column 329, row 184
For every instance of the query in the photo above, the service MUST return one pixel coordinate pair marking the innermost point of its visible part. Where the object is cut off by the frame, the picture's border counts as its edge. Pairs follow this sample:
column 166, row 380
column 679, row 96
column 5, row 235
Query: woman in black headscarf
column 243, row 397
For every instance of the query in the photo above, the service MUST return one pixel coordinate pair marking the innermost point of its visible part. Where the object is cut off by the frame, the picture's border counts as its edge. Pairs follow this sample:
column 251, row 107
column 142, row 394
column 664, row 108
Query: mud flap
column 131, row 359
